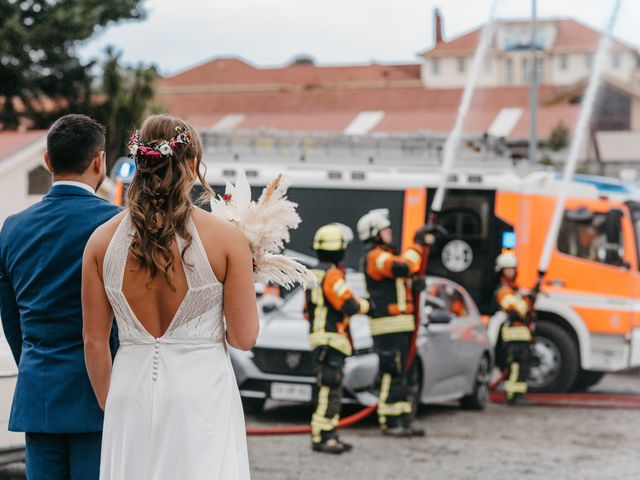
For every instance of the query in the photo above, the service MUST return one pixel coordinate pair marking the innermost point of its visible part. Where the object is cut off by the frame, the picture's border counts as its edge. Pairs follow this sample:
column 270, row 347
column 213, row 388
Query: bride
column 168, row 272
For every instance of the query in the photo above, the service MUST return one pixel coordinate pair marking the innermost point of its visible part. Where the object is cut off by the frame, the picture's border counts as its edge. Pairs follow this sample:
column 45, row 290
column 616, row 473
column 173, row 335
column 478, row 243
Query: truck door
column 467, row 253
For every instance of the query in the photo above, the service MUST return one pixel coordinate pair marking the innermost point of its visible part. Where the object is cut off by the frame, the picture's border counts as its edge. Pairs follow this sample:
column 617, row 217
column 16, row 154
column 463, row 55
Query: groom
column 40, row 272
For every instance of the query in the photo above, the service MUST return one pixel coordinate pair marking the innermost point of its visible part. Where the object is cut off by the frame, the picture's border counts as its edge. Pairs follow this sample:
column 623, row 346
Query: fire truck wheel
column 586, row 379
column 555, row 360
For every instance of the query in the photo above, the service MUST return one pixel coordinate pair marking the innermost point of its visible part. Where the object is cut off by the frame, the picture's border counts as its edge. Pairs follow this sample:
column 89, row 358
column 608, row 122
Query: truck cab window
column 593, row 236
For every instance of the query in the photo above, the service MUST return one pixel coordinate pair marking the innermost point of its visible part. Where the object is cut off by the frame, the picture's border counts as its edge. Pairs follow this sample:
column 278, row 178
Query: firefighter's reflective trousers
column 517, row 342
column 394, row 408
column 329, row 366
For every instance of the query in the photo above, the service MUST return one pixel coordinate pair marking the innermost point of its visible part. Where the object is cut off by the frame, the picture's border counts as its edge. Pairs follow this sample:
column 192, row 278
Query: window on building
column 563, row 60
column 508, row 71
column 615, row 60
column 435, row 66
column 524, row 70
column 39, row 181
column 588, row 60
column 461, row 64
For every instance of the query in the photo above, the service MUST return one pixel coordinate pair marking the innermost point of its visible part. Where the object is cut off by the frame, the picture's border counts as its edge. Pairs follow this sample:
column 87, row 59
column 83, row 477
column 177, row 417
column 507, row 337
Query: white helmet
column 370, row 224
column 506, row 260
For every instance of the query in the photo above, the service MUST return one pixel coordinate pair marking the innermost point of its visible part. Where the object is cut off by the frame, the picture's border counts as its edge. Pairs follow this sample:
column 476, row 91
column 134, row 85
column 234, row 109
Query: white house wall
column 14, row 179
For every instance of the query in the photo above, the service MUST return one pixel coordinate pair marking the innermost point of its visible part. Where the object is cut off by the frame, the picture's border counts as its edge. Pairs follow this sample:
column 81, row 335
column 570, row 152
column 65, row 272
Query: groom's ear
column 47, row 162
column 98, row 162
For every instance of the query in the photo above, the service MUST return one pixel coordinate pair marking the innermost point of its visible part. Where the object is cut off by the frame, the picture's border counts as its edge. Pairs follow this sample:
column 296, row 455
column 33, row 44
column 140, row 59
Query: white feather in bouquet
column 265, row 224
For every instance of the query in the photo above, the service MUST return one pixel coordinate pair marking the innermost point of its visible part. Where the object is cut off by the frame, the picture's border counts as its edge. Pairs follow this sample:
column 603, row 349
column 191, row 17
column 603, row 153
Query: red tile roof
column 571, row 34
column 405, row 109
column 12, row 141
column 233, row 71
column 350, row 100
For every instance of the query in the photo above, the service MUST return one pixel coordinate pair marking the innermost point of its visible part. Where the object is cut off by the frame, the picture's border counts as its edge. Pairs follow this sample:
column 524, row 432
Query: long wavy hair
column 159, row 197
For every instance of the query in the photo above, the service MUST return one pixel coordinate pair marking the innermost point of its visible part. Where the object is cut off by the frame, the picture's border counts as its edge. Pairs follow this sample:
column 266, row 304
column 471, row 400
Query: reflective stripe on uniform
column 395, row 324
column 412, row 256
column 513, row 385
column 340, row 288
column 393, row 409
column 364, row 306
column 401, row 293
column 516, row 303
column 382, row 258
column 520, row 333
column 319, row 421
column 337, row 341
column 389, row 409
column 319, row 318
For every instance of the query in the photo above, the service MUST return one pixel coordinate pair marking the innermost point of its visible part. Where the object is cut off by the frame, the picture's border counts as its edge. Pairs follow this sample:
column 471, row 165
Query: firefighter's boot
column 518, row 400
column 412, row 431
column 329, row 445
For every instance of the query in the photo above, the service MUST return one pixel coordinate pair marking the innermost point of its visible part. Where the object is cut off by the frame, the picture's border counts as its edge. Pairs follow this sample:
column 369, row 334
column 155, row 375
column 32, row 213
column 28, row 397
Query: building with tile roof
column 231, row 95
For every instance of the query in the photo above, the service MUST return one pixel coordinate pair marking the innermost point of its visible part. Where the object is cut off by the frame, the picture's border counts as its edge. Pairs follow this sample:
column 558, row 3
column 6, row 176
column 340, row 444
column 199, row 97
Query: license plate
column 291, row 391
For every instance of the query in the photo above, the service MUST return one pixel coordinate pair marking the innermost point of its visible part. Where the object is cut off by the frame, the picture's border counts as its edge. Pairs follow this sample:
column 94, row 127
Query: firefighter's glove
column 428, row 234
column 418, row 284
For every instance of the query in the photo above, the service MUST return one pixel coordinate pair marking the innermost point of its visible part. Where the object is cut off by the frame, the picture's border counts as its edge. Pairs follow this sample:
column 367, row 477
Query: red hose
column 299, row 429
column 577, row 400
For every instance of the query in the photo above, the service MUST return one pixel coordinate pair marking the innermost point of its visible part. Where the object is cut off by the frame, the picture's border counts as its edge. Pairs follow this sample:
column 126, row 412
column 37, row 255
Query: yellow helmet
column 332, row 238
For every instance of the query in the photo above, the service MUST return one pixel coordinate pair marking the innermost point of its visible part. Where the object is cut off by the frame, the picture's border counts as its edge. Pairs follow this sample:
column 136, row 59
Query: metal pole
column 533, row 90
column 579, row 134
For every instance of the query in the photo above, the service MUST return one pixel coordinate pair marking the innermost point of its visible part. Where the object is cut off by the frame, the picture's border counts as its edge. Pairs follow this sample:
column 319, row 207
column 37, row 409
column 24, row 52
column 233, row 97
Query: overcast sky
column 176, row 35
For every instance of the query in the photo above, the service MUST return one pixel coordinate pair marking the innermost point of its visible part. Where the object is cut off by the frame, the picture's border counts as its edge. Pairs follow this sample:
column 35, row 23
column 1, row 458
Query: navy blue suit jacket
column 40, row 280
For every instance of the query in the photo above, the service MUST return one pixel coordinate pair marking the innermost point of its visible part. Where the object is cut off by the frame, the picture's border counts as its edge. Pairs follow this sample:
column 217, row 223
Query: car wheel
column 253, row 405
column 478, row 399
column 555, row 360
column 586, row 379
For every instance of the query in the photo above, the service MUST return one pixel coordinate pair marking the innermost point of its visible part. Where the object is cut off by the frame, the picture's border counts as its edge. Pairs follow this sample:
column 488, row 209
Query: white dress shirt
column 87, row 187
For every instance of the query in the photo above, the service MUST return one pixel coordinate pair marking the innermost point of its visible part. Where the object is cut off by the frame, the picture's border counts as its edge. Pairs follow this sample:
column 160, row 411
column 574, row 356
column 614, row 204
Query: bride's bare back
column 153, row 300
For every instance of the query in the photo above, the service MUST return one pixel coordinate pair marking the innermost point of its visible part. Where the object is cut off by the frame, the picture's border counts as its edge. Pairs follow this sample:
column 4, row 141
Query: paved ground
column 501, row 442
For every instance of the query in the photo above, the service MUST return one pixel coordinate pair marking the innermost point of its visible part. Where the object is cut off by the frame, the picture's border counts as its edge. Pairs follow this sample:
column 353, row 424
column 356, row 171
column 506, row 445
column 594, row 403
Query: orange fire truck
column 589, row 309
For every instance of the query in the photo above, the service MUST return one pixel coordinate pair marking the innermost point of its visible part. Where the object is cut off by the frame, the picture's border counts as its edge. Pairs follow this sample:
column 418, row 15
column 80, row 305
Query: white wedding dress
column 173, row 411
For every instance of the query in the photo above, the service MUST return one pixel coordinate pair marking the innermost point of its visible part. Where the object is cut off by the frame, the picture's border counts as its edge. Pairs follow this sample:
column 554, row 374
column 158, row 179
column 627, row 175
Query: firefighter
column 329, row 304
column 391, row 318
column 517, row 331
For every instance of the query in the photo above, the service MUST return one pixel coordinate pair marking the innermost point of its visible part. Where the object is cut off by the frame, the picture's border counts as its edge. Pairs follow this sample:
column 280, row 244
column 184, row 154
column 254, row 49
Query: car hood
column 284, row 333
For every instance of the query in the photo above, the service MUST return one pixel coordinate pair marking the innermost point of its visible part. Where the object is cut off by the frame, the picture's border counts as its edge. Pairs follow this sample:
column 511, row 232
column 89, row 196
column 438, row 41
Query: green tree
column 559, row 137
column 125, row 97
column 39, row 69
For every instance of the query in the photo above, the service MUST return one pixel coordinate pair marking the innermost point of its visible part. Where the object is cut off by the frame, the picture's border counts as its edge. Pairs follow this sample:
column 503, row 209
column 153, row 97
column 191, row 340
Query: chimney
column 437, row 22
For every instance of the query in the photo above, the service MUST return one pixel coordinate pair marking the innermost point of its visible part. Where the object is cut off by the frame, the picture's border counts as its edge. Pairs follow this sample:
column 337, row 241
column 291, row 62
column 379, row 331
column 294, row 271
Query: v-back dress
column 173, row 411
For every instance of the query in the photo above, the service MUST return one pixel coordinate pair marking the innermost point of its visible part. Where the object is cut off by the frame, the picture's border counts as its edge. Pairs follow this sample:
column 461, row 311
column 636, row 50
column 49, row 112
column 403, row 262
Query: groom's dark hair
column 72, row 141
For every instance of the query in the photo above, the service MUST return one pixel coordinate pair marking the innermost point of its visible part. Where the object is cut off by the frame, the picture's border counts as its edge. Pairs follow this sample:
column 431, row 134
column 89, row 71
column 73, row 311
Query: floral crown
column 153, row 154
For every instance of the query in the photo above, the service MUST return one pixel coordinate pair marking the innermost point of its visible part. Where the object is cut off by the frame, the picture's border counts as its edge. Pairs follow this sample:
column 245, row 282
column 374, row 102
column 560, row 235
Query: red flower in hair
column 227, row 198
